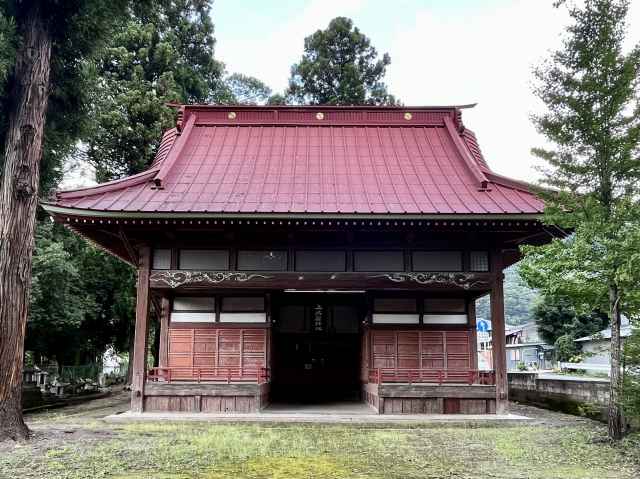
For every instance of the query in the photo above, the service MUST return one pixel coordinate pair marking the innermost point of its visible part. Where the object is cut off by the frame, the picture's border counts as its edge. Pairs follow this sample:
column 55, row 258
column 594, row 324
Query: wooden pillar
column 163, row 360
column 473, row 337
column 498, row 337
column 141, row 331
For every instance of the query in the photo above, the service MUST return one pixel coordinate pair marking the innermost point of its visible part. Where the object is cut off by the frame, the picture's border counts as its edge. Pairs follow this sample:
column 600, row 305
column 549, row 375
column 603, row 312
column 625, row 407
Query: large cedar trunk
column 18, row 202
column 615, row 414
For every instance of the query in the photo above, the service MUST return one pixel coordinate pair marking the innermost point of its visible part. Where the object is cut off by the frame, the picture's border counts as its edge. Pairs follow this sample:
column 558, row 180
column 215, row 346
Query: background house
column 596, row 349
column 526, row 346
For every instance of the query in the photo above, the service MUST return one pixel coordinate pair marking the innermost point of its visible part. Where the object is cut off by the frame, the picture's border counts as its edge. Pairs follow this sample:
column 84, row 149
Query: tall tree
column 590, row 89
column 48, row 33
column 162, row 53
column 340, row 67
column 82, row 299
column 556, row 317
column 246, row 90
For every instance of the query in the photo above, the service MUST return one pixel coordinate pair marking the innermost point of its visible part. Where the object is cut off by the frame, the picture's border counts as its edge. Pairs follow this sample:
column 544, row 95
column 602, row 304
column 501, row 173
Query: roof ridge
column 174, row 152
column 471, row 141
column 207, row 106
column 466, row 154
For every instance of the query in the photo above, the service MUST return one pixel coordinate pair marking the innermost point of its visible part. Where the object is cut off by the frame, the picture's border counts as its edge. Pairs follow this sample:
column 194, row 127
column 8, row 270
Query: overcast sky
column 442, row 52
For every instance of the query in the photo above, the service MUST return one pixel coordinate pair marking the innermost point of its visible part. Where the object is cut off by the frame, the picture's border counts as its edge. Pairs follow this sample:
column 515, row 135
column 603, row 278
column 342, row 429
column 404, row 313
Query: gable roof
column 625, row 332
column 312, row 160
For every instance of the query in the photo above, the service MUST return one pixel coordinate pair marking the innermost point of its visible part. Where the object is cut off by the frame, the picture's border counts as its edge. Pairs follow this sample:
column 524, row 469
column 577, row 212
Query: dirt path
column 90, row 411
column 55, row 427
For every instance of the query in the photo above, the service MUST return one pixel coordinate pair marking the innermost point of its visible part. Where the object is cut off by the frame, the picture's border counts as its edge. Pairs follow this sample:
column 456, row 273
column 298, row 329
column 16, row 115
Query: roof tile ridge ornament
column 174, row 153
column 466, row 155
column 458, row 120
column 180, row 118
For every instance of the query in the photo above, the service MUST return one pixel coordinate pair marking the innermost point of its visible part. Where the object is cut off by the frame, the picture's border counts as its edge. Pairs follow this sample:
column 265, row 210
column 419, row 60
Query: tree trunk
column 18, row 202
column 615, row 414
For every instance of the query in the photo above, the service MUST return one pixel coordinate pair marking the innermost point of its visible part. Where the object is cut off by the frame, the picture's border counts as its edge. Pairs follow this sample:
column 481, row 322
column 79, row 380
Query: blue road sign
column 482, row 326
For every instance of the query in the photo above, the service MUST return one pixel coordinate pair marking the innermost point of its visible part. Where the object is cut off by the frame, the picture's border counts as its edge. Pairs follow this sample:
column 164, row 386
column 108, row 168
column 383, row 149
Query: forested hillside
column 519, row 299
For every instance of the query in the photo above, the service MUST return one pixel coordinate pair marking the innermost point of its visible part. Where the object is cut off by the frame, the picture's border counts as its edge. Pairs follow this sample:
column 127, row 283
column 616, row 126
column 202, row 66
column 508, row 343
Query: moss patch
column 206, row 451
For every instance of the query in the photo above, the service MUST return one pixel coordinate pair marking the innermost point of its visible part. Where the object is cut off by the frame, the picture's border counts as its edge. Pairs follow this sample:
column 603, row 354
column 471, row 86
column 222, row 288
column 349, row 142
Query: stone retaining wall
column 583, row 397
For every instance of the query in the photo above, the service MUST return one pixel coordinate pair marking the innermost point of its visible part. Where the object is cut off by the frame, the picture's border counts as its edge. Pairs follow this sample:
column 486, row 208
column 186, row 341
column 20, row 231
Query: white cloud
column 485, row 58
column 447, row 56
column 270, row 54
column 488, row 58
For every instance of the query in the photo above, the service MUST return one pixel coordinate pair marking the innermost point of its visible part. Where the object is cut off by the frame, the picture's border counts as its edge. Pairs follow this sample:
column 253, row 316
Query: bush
column 565, row 347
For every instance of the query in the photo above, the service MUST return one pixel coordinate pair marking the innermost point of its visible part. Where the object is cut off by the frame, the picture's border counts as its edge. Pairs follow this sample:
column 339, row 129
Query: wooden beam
column 498, row 337
column 164, row 333
column 438, row 281
column 134, row 258
column 141, row 331
column 211, row 389
column 426, row 391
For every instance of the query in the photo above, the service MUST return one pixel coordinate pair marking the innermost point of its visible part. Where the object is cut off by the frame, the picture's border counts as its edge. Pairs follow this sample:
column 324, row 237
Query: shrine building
column 310, row 254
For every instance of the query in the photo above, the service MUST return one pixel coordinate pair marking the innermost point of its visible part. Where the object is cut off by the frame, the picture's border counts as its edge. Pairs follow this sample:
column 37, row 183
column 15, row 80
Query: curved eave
column 57, row 210
column 115, row 185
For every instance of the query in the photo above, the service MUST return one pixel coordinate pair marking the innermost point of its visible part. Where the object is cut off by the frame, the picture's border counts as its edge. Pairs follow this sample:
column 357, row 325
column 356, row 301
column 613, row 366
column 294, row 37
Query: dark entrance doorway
column 316, row 347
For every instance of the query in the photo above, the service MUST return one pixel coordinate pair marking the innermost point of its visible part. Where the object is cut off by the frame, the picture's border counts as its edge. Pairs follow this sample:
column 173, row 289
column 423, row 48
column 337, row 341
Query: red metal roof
column 313, row 160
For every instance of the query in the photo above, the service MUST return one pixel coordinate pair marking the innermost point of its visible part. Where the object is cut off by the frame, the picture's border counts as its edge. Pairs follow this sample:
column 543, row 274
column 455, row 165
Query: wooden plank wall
column 421, row 349
column 218, row 347
column 206, row 404
column 206, row 398
column 437, row 406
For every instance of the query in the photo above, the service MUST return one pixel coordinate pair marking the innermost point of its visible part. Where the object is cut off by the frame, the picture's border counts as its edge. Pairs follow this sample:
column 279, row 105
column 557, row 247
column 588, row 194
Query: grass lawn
column 74, row 444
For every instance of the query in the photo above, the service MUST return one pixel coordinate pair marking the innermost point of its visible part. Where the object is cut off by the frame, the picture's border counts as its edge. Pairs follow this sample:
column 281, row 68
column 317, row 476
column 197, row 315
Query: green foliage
column 159, row 52
column 519, row 299
column 631, row 388
column 82, row 299
column 589, row 88
column 78, row 29
column 583, row 267
column 556, row 317
column 340, row 67
column 565, row 347
column 592, row 120
column 7, row 46
column 277, row 99
column 162, row 52
column 247, row 90
column 58, row 304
